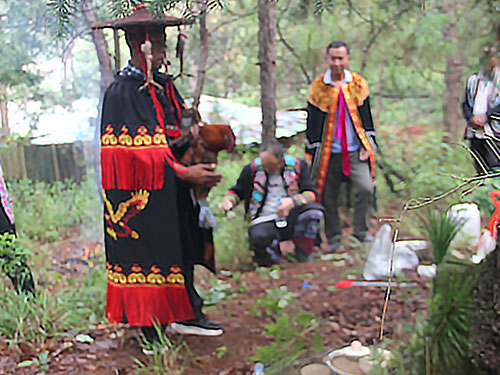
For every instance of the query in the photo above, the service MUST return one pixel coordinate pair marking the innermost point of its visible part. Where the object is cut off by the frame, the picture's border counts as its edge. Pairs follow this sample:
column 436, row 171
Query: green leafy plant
column 266, row 273
column 441, row 229
column 13, row 256
column 276, row 300
column 165, row 358
column 41, row 361
column 221, row 351
column 217, row 291
column 289, row 342
column 448, row 325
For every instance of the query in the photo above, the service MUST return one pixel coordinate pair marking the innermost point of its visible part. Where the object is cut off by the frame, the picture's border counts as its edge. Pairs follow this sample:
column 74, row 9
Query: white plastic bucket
column 468, row 236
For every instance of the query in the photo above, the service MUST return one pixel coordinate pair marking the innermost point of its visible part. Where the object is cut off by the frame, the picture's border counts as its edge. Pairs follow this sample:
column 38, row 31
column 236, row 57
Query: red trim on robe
column 142, row 305
column 129, row 168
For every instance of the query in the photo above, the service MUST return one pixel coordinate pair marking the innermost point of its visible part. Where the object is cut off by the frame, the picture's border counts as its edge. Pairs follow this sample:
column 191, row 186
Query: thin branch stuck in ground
column 416, row 203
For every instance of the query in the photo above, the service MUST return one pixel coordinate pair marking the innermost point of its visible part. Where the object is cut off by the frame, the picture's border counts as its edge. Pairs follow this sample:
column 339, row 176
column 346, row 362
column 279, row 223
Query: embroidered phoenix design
column 117, row 221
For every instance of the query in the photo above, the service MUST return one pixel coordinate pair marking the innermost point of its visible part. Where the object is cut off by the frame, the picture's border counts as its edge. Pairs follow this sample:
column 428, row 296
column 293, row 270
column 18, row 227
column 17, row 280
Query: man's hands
column 227, row 204
column 195, row 130
column 202, row 174
column 285, row 206
column 478, row 121
column 363, row 154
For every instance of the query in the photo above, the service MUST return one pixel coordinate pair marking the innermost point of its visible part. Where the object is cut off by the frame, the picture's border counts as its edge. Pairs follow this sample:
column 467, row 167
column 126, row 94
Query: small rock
column 335, row 326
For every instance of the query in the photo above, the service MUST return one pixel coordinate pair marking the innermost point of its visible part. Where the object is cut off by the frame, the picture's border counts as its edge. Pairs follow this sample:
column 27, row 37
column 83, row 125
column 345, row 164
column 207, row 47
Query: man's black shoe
column 269, row 257
column 302, row 256
column 333, row 246
column 201, row 327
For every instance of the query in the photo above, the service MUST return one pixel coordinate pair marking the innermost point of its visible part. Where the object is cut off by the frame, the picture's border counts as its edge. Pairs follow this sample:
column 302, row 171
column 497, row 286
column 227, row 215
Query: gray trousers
column 363, row 195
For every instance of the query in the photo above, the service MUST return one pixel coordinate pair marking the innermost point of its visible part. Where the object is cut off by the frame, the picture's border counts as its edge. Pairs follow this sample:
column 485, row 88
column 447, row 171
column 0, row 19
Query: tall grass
column 64, row 305
column 44, row 212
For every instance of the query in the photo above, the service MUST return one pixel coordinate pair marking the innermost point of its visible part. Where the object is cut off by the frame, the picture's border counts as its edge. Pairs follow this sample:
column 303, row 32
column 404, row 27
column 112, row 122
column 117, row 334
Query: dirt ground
column 344, row 315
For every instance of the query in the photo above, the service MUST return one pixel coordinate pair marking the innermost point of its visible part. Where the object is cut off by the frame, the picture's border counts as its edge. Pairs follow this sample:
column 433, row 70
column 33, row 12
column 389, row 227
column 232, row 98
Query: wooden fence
column 56, row 162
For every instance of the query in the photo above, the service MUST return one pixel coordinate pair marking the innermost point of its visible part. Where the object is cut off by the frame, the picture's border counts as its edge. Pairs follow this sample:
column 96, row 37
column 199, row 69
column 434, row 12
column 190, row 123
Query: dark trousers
column 483, row 149
column 194, row 297
column 362, row 183
column 262, row 236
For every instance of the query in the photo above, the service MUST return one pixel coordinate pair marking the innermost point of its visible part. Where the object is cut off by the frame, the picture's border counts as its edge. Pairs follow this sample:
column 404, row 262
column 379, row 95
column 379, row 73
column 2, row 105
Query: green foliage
column 438, row 344
column 217, row 291
column 64, row 305
column 274, row 303
column 41, row 362
column 230, row 238
column 441, row 229
column 21, row 41
column 44, row 211
column 289, row 342
column 448, row 325
column 266, row 273
column 13, row 256
column 410, row 156
column 62, row 11
column 221, row 351
column 425, row 163
column 165, row 357
column 481, row 198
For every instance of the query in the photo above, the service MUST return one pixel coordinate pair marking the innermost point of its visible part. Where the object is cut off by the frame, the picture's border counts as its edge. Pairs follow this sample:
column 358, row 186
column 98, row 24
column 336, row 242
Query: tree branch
column 294, row 54
column 415, row 203
column 375, row 32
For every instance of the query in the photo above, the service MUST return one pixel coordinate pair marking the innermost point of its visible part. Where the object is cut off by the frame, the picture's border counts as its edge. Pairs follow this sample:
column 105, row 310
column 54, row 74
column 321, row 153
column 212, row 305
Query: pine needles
column 441, row 229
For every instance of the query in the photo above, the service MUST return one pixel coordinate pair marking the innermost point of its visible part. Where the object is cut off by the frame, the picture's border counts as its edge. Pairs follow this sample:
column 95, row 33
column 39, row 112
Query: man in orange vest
column 341, row 142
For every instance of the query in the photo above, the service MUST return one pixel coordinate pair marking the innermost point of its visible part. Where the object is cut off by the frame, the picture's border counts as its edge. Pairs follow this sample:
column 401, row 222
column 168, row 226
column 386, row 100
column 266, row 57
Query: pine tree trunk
column 200, row 77
column 267, row 63
column 100, row 47
column 453, row 74
column 106, row 79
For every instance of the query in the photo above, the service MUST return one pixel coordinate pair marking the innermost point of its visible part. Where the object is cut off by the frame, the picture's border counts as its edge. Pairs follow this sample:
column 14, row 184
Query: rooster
column 204, row 147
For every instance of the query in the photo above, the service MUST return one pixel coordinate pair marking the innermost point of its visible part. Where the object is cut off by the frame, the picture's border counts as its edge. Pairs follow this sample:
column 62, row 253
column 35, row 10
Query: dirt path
column 343, row 315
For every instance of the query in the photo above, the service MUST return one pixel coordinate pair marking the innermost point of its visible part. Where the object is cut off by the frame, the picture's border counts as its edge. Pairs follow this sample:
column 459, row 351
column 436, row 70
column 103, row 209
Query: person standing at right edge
column 341, row 142
column 481, row 109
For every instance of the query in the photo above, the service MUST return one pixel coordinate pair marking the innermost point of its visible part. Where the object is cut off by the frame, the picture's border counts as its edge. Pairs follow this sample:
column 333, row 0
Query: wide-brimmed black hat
column 141, row 18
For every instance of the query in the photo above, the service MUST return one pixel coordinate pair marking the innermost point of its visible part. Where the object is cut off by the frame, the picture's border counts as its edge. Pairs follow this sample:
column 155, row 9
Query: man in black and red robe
column 152, row 235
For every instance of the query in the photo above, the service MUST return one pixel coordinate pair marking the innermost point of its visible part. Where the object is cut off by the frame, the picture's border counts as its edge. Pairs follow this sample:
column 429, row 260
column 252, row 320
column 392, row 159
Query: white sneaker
column 199, row 327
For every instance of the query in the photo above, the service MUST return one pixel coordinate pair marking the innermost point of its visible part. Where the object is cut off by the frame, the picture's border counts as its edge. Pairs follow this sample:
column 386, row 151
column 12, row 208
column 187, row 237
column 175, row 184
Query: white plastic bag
column 427, row 270
column 378, row 262
column 485, row 245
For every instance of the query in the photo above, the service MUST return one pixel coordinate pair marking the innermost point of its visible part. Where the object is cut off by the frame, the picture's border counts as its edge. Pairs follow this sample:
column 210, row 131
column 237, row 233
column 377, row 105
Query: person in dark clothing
column 12, row 262
column 280, row 202
column 481, row 110
column 152, row 236
column 341, row 142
